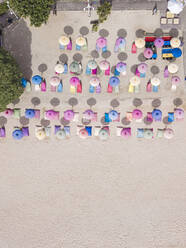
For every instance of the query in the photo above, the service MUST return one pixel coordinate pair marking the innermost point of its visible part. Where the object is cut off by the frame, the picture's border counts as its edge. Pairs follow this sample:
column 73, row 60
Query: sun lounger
column 43, row 86
column 79, row 88
column 170, row 117
column 107, row 72
column 56, row 128
column 91, row 89
column 17, row 113
column 72, row 89
column 107, row 119
column 67, row 130
column 89, row 130
column 65, row 69
column 149, row 117
column 2, row 132
column 25, row 131
column 109, row 89
column 37, row 114
column 85, row 47
column 37, row 87
column 118, row 131
column 76, row 117
column 94, row 118
column 47, row 131
column 60, row 87
column 140, row 133
column 28, row 87
column 61, row 47
column 69, row 46
column 78, row 48
column 53, row 88
column 98, row 89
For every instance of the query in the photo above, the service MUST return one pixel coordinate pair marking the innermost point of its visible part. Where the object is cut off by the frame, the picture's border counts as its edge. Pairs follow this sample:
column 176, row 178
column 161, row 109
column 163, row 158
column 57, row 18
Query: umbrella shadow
column 24, row 121
column 104, row 33
column 158, row 32
column 125, row 121
column 133, row 68
column 16, row 101
column 165, row 120
column 45, row 123
column 95, row 54
column 91, row 101
column 106, row 54
column 77, row 57
column 114, row 103
column 122, row 56
column 154, row 69
column 64, row 122
column 177, row 102
column 140, row 33
column 174, row 32
column 73, row 101
column 63, row 58
column 3, row 120
column 42, row 68
column 137, row 102
column 35, row 101
column 54, row 101
column 156, row 103
column 141, row 57
column 68, row 30
column 84, row 30
column 147, row 121
column 102, row 120
column 122, row 33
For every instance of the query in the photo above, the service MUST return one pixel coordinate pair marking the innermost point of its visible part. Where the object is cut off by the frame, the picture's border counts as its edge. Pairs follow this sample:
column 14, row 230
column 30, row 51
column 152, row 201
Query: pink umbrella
column 179, row 114
column 101, row 42
column 126, row 132
column 74, row 81
column 148, row 53
column 52, row 115
column 88, row 114
column 69, row 115
column 142, row 68
column 159, row 42
column 8, row 112
column 175, row 80
column 121, row 67
column 83, row 133
column 137, row 114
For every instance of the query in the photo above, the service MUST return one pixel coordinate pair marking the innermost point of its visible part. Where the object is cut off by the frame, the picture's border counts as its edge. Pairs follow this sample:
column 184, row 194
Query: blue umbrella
column 29, row 113
column 113, row 115
column 176, row 52
column 23, row 82
column 17, row 134
column 157, row 114
column 114, row 81
column 36, row 79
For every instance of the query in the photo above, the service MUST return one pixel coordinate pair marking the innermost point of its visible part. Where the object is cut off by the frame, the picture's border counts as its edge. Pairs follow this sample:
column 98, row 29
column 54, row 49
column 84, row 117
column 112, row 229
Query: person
column 155, row 9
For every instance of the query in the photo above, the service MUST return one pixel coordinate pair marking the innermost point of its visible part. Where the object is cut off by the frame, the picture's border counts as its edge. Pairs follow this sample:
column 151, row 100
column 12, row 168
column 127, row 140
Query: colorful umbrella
column 59, row 68
column 142, row 68
column 172, row 68
column 135, row 81
column 17, row 134
column 74, row 81
column 121, row 67
column 95, row 81
column 140, row 43
column 175, row 80
column 8, row 112
column 104, row 65
column 168, row 133
column 74, row 67
column 69, row 115
column 120, row 41
column 54, row 81
column 92, row 64
column 114, row 81
column 83, row 133
column 101, row 42
column 175, row 42
column 176, row 52
column 126, row 132
column 88, row 114
column 103, row 134
column 60, row 134
column 64, row 40
column 157, row 114
column 148, row 134
column 137, row 114
column 51, row 114
column 113, row 115
column 29, row 113
column 159, row 42
column 36, row 79
column 148, row 53
column 155, row 81
column 80, row 41
column 40, row 134
column 179, row 114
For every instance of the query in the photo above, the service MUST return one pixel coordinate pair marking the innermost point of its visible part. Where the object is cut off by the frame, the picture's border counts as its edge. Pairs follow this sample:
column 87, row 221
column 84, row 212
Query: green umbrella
column 74, row 67
column 92, row 64
column 148, row 134
column 103, row 134
column 61, row 134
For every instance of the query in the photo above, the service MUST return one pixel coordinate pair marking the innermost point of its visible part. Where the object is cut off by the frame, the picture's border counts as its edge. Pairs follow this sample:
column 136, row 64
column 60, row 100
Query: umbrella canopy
column 114, row 81
column 101, row 42
column 60, row 134
column 113, row 115
column 159, row 42
column 155, row 81
column 59, row 68
column 69, row 115
column 179, row 114
column 176, row 52
column 8, row 112
column 81, row 41
column 148, row 53
column 94, row 81
column 103, row 134
column 92, row 64
column 74, row 81
column 175, row 80
column 126, row 132
column 54, row 81
column 64, row 40
column 135, row 81
column 51, row 114
column 142, row 68
column 88, row 114
column 174, row 6
column 148, row 134
column 29, row 113
column 172, row 68
column 74, row 67
column 157, row 114
column 40, row 134
column 137, row 114
column 17, row 134
column 168, row 133
column 120, row 41
column 140, row 43
column 104, row 65
column 175, row 42
column 83, row 133
column 121, row 67
column 36, row 79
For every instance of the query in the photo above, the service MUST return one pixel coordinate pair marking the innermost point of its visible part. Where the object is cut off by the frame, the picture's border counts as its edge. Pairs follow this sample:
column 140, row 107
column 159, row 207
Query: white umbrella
column 135, row 81
column 175, row 6
column 155, row 81
column 172, row 68
column 59, row 68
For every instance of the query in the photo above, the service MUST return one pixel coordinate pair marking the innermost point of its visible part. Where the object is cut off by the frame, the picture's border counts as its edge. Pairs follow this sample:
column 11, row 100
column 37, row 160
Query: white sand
column 87, row 193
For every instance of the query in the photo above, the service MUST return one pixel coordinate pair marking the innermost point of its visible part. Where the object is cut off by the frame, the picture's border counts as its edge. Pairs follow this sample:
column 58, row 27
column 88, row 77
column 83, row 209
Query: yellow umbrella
column 135, row 81
column 175, row 42
column 80, row 41
column 155, row 81
column 172, row 68
column 64, row 40
column 59, row 68
column 140, row 43
column 40, row 134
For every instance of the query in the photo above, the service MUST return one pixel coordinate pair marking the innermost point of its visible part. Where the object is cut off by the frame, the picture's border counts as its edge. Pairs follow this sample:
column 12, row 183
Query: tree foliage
column 3, row 8
column 10, row 79
column 104, row 11
column 37, row 10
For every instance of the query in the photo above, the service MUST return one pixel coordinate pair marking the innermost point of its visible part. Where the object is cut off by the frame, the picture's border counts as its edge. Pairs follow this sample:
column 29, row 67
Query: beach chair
column 96, row 130
column 140, row 133
column 43, row 86
column 170, row 116
column 131, row 88
column 88, row 71
column 23, row 82
column 109, row 89
column 72, row 89
column 28, row 87
column 89, row 130
column 2, row 132
column 94, row 118
column 53, row 88
column 91, row 89
column 60, row 87
column 85, row 47
column 134, row 48
column 69, row 46
column 47, row 131
column 61, row 47
column 104, row 49
column 65, row 68
column 107, row 119
column 118, row 131
column 155, row 88
column 78, row 48
column 98, row 89
column 137, row 73
column 17, row 113
column 107, row 72
column 79, row 88
column 37, row 114
column 76, row 117
column 67, row 130
column 25, row 131
column 116, row 72
column 56, row 128
column 148, row 87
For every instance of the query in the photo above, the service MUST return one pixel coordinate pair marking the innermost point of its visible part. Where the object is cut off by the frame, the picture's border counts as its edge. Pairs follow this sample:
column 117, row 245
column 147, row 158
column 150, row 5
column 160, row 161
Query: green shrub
column 104, row 11
column 3, row 8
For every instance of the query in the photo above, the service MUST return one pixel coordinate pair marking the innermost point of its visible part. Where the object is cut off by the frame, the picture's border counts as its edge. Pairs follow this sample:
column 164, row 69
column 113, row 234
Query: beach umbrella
column 140, row 43
column 142, row 68
column 175, row 42
column 155, row 81
column 64, row 40
column 92, row 64
column 135, row 81
column 137, row 114
column 168, row 133
column 94, row 81
column 179, row 114
column 126, row 132
column 54, row 81
column 69, row 115
column 121, row 67
column 175, row 80
column 74, row 81
column 88, row 114
column 176, row 52
column 40, row 134
column 81, row 41
column 36, row 79
column 59, row 68
column 148, row 53
column 148, row 134
column 104, row 65
column 157, row 114
column 74, row 67
column 8, row 112
column 17, row 134
column 159, row 42
column 29, row 113
column 51, row 114
column 103, row 134
column 83, row 133
column 113, row 115
column 101, row 42
column 175, row 7
column 172, row 68
column 114, row 81
column 60, row 134
column 120, row 41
